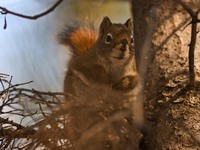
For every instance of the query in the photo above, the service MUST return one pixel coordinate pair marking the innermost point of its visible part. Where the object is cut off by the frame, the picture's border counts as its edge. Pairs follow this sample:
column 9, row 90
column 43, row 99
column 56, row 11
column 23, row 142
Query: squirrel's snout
column 123, row 47
column 123, row 44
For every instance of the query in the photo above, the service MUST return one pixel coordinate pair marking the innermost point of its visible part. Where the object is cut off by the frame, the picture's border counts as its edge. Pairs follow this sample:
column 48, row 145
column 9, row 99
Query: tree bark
column 167, row 57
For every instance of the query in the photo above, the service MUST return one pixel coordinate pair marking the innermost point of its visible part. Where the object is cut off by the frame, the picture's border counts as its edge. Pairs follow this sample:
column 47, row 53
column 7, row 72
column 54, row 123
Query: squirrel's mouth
column 119, row 58
column 120, row 54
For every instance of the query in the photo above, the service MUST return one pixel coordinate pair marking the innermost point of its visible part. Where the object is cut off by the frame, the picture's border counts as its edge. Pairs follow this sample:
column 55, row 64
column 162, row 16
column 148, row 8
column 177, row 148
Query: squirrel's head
column 115, row 40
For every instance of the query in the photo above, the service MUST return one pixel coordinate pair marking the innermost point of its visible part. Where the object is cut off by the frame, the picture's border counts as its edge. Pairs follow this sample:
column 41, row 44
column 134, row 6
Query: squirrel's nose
column 123, row 47
column 123, row 44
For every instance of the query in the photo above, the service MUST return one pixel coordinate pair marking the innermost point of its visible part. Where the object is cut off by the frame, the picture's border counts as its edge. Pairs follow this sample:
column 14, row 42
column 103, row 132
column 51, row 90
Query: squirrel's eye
column 108, row 38
column 131, row 39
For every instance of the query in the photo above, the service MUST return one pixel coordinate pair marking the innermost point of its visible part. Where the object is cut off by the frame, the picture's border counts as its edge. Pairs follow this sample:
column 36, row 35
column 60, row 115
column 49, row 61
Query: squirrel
column 101, row 63
column 101, row 80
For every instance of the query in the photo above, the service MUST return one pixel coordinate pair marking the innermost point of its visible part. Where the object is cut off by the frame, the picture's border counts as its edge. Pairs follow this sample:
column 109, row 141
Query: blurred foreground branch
column 44, row 120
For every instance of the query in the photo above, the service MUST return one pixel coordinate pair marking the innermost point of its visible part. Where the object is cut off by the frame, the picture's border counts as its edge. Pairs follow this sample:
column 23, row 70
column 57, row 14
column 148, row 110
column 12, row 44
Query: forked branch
column 193, row 40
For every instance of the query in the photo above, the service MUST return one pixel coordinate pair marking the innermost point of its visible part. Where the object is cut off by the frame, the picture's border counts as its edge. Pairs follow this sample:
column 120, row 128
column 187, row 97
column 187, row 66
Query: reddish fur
column 83, row 39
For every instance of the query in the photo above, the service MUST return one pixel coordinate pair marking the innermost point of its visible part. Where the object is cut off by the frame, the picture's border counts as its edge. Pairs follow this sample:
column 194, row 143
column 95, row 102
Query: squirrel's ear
column 105, row 24
column 128, row 23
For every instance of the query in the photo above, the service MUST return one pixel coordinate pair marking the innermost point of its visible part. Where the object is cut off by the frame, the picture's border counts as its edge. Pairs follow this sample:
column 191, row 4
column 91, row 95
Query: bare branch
column 194, row 22
column 186, row 7
column 6, row 11
column 3, row 75
column 11, row 86
column 6, row 121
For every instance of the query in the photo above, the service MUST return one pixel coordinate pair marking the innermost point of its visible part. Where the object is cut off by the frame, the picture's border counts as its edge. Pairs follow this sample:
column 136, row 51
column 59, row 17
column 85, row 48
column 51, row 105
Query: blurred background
column 29, row 51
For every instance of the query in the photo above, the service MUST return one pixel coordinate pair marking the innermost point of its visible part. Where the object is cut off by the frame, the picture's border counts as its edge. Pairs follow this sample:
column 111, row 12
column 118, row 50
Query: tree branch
column 6, row 11
column 11, row 86
column 186, row 7
column 194, row 22
column 6, row 121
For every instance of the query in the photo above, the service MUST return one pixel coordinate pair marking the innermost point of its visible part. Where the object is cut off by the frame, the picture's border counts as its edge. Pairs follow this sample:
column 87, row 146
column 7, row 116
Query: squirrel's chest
column 119, row 72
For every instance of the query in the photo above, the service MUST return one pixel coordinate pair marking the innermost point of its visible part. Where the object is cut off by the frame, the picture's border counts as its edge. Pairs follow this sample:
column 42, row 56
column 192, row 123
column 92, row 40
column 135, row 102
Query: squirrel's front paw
column 128, row 82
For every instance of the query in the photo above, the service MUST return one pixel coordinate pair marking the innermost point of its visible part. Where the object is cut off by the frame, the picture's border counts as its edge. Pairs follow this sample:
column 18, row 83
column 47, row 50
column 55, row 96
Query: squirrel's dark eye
column 131, row 39
column 108, row 38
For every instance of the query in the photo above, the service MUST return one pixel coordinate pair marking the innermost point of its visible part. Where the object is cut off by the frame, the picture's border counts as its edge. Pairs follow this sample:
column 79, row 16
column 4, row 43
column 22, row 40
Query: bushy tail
column 79, row 39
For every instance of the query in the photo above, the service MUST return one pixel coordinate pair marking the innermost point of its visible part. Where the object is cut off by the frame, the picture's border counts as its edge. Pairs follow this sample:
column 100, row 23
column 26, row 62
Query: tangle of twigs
column 15, row 101
column 57, row 124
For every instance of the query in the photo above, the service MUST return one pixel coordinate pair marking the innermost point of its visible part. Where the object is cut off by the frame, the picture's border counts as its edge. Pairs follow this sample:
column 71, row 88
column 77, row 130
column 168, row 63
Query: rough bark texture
column 171, row 109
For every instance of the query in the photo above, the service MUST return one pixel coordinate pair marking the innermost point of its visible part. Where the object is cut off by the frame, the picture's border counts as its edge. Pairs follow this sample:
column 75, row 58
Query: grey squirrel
column 101, row 63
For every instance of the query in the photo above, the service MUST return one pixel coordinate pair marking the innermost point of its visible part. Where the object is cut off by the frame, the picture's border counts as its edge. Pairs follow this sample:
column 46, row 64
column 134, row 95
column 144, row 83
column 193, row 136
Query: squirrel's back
column 78, row 38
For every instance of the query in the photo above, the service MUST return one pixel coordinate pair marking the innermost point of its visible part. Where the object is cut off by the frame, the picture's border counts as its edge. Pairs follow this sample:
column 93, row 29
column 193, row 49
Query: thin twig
column 2, row 85
column 6, row 11
column 11, row 86
column 6, row 121
column 3, row 74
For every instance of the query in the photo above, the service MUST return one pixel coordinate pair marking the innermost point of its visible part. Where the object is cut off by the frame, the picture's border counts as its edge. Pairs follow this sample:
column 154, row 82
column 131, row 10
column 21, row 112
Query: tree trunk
column 165, row 61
